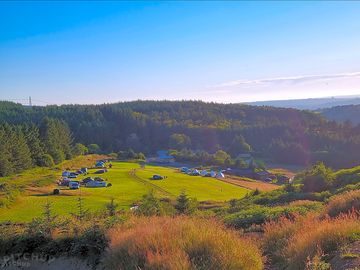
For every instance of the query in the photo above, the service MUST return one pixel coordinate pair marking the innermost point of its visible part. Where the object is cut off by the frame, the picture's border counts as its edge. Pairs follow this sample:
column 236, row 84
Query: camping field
column 129, row 183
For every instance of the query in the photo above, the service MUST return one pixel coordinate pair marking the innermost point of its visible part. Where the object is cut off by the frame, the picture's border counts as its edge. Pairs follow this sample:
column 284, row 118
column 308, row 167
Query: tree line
column 276, row 134
column 27, row 145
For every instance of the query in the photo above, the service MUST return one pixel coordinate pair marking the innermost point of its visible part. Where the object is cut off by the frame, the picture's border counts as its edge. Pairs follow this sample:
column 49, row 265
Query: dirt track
column 251, row 184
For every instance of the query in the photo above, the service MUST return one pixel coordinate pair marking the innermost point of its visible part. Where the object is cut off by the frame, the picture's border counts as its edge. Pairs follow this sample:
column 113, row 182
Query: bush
column 180, row 243
column 185, row 205
column 293, row 243
column 343, row 203
column 46, row 161
column 93, row 148
column 152, row 206
column 80, row 149
column 91, row 244
column 257, row 215
column 319, row 178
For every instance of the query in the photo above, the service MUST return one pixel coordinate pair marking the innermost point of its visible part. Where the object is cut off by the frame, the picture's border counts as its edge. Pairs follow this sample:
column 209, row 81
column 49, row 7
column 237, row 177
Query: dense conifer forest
column 41, row 135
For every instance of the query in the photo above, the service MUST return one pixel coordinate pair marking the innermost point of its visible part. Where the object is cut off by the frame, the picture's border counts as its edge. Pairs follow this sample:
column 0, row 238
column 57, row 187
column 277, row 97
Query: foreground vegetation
column 178, row 238
column 302, row 225
column 180, row 243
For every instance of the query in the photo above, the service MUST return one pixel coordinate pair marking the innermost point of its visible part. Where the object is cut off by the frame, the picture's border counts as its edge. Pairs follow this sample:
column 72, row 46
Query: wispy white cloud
column 288, row 80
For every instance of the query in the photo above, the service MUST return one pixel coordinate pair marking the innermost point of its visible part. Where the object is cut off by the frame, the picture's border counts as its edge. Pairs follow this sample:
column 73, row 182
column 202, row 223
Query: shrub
column 80, row 149
column 185, row 205
column 180, row 243
column 318, row 179
column 293, row 243
column 343, row 203
column 257, row 215
column 46, row 161
column 93, row 148
column 152, row 206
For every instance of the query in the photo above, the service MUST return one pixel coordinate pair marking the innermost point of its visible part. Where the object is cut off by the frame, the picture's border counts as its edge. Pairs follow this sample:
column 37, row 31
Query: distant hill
column 282, row 135
column 343, row 113
column 309, row 104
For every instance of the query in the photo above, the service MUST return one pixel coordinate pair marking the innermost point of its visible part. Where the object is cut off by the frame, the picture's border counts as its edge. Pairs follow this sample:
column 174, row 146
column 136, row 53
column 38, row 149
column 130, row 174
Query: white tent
column 203, row 172
column 220, row 175
column 213, row 174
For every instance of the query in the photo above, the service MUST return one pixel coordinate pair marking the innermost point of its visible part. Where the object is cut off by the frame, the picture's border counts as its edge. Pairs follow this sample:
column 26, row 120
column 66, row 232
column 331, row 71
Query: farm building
column 249, row 173
column 263, row 175
column 241, row 172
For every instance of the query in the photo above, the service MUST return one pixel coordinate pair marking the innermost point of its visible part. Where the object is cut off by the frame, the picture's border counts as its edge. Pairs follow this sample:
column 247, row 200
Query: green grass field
column 129, row 184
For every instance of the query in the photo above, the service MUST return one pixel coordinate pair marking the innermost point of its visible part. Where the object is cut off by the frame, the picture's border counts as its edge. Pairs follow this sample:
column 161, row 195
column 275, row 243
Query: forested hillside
column 282, row 135
column 27, row 145
column 343, row 113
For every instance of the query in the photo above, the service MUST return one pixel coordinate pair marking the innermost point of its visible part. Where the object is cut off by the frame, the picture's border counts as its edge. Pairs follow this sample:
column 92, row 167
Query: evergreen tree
column 32, row 137
column 185, row 205
column 20, row 152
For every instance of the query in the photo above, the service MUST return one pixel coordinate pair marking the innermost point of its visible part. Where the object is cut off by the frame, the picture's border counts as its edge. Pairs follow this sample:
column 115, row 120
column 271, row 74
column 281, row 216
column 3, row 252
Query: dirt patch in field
column 251, row 184
column 81, row 161
column 288, row 170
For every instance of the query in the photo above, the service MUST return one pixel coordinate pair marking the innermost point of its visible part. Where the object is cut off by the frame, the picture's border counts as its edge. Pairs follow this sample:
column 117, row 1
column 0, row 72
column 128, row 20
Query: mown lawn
column 202, row 188
column 129, row 184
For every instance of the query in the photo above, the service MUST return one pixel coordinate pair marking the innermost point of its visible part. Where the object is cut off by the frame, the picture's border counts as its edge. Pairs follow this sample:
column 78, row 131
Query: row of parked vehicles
column 204, row 173
column 87, row 182
column 69, row 179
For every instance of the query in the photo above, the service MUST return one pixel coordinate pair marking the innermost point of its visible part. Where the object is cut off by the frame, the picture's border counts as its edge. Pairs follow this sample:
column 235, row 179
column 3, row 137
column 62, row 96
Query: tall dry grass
column 343, row 203
column 180, row 243
column 293, row 243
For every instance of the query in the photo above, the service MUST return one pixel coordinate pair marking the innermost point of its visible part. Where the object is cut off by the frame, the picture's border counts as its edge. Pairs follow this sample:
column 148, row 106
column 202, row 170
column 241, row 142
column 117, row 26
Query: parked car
column 95, row 184
column 101, row 171
column 86, row 180
column 73, row 175
column 64, row 182
column 74, row 185
column 157, row 177
column 84, row 170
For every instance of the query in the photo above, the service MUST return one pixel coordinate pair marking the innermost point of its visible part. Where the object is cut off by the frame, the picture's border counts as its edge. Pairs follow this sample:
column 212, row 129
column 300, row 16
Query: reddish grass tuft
column 294, row 242
column 343, row 203
column 180, row 243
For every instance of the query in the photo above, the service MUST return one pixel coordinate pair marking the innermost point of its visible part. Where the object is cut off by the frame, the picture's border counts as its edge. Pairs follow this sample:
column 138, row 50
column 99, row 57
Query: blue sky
column 96, row 52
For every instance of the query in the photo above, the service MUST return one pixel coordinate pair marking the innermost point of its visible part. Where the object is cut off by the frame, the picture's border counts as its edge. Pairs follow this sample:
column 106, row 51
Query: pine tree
column 32, row 137
column 20, row 152
column 184, row 204
column 6, row 167
column 48, row 219
column 111, row 207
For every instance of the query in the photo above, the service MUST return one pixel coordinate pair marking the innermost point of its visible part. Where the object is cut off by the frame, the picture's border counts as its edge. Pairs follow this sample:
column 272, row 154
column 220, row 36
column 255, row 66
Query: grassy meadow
column 129, row 184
